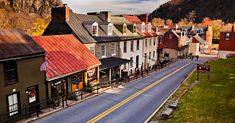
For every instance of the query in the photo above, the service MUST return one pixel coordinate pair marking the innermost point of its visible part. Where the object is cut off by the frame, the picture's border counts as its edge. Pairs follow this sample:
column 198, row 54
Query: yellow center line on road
column 105, row 113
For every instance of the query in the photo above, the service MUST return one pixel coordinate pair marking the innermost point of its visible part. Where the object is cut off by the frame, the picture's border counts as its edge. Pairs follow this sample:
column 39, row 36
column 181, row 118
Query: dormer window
column 143, row 27
column 124, row 28
column 110, row 29
column 149, row 27
column 201, row 31
column 134, row 28
column 227, row 36
column 95, row 29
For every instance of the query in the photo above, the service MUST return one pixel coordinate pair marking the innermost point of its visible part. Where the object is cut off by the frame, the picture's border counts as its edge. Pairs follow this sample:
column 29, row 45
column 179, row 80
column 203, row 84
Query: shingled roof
column 16, row 43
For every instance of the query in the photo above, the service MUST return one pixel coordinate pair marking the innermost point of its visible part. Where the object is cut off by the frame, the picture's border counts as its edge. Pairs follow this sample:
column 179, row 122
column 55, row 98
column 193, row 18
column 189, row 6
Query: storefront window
column 77, row 81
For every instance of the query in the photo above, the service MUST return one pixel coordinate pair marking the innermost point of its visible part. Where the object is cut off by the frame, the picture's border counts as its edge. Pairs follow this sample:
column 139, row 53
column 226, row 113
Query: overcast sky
column 116, row 6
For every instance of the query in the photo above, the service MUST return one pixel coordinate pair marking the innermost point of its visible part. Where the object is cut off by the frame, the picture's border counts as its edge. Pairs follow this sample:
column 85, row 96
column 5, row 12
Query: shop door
column 33, row 99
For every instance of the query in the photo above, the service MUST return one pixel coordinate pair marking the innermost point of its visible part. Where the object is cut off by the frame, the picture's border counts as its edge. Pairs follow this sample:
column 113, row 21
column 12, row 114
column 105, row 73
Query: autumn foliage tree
column 158, row 22
column 169, row 22
column 39, row 26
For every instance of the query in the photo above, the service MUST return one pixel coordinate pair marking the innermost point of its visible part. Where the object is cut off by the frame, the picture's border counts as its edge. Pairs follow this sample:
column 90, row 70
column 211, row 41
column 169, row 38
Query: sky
column 116, row 6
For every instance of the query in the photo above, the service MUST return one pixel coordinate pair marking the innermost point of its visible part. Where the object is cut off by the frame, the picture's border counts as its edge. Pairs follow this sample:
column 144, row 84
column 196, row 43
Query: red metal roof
column 132, row 19
column 135, row 19
column 65, row 54
column 16, row 43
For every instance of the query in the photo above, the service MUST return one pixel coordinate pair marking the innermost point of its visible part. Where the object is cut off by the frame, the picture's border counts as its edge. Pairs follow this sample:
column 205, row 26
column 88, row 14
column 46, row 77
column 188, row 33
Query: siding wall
column 29, row 74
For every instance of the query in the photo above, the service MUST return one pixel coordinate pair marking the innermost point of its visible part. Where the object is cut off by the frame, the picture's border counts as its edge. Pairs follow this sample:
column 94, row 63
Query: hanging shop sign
column 91, row 72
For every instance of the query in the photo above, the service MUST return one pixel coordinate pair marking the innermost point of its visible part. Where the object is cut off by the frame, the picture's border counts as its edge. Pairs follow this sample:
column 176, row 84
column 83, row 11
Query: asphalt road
column 132, row 103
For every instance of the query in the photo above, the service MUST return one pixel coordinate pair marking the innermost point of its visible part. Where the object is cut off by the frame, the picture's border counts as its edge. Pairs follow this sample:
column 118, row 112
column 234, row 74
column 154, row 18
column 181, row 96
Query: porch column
column 120, row 70
column 98, row 74
column 110, row 76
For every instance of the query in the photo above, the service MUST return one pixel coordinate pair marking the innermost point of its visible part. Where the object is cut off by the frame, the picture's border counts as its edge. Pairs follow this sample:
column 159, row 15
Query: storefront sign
column 91, row 72
column 56, row 83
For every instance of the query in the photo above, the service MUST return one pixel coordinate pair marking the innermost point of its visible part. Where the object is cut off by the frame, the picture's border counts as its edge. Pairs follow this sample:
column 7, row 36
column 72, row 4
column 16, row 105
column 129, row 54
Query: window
column 95, row 29
column 125, row 47
column 143, row 27
column 134, row 28
column 13, row 104
column 124, row 29
column 137, row 45
column 149, row 27
column 145, row 57
column 132, row 45
column 149, row 55
column 153, row 54
column 113, row 49
column 92, row 49
column 137, row 61
column 150, row 41
column 170, row 36
column 103, row 50
column 131, row 63
column 227, row 36
column 159, row 40
column 110, row 29
column 146, row 42
column 154, row 41
column 10, row 72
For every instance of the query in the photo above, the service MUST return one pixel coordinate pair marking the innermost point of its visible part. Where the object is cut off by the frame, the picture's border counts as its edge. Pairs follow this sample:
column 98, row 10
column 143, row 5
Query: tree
column 191, row 16
column 158, row 22
column 39, row 26
column 3, row 19
column 169, row 22
column 185, row 22
column 216, row 27
column 206, row 21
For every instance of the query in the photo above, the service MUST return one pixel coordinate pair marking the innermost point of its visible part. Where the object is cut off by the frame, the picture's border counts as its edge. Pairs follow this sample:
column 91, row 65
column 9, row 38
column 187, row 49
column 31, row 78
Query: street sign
column 204, row 69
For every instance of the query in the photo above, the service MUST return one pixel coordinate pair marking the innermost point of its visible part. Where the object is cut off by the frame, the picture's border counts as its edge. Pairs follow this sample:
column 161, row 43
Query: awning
column 112, row 62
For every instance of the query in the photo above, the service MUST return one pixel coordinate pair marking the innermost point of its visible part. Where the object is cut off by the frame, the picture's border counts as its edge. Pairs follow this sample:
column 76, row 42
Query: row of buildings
column 77, row 49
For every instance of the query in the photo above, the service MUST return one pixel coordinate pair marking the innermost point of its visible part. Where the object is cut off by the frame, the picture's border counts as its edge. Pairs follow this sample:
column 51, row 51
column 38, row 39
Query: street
column 131, row 103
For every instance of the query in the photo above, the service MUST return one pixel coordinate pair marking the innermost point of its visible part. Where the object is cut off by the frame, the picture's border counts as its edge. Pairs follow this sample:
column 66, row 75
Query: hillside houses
column 227, row 43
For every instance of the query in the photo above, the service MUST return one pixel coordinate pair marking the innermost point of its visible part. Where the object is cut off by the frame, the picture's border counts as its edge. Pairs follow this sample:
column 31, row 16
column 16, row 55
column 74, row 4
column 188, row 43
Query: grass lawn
column 210, row 101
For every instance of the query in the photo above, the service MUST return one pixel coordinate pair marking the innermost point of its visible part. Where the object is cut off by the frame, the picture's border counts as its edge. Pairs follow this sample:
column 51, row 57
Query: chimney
column 60, row 14
column 106, row 15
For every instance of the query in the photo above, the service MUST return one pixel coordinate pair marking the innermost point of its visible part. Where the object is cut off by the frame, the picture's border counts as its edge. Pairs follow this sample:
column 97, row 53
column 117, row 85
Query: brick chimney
column 106, row 15
column 60, row 14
